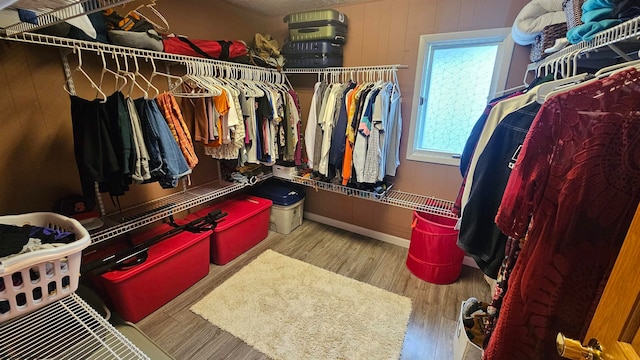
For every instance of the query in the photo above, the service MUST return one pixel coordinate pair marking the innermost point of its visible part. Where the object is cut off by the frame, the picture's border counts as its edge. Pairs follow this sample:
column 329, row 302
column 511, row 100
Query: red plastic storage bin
column 172, row 266
column 434, row 255
column 246, row 224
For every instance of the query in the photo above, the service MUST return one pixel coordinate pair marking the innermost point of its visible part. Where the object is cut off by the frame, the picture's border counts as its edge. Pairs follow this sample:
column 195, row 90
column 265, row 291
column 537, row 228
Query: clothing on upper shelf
column 597, row 15
column 626, row 9
column 569, row 201
column 353, row 131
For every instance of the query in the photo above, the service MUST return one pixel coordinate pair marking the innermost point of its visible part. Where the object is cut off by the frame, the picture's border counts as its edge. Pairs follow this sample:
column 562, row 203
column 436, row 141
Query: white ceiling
column 284, row 7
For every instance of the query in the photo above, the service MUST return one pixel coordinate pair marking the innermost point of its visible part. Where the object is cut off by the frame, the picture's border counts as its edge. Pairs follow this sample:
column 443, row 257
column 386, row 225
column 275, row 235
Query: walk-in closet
column 291, row 179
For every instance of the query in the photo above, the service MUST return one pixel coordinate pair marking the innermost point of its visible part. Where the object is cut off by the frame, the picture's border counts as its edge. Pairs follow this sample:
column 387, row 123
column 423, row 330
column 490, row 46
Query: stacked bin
column 315, row 39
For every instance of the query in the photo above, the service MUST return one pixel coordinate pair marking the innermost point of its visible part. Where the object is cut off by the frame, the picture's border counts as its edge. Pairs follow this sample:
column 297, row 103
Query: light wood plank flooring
column 435, row 307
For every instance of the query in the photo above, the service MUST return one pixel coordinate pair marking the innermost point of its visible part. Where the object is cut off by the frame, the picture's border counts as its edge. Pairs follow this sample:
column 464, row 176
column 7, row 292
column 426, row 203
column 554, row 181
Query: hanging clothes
column 141, row 171
column 172, row 113
column 353, row 133
column 479, row 237
column 95, row 156
column 166, row 162
column 570, row 197
column 312, row 121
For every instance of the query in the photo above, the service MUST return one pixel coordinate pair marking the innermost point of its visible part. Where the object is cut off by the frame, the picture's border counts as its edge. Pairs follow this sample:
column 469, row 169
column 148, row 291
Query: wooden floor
column 435, row 307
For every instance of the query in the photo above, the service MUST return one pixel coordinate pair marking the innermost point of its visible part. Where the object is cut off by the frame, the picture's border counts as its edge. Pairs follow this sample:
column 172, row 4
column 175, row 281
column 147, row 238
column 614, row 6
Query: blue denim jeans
column 166, row 162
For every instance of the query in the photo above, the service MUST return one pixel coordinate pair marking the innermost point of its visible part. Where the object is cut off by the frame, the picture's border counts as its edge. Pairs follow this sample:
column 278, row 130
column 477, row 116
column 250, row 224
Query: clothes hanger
column 612, row 69
column 170, row 85
column 79, row 69
column 133, row 75
column 123, row 71
column 195, row 85
column 105, row 70
column 544, row 91
column 149, row 85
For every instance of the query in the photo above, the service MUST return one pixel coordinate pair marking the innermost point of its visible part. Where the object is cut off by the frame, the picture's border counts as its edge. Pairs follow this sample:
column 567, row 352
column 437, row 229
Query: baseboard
column 391, row 239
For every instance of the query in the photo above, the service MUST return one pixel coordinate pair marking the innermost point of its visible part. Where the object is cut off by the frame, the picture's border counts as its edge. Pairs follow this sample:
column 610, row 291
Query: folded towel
column 588, row 31
column 597, row 4
column 597, row 15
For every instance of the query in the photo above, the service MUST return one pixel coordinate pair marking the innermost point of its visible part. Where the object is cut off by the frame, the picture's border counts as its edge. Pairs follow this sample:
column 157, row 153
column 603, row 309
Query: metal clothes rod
column 126, row 51
column 343, row 69
column 61, row 14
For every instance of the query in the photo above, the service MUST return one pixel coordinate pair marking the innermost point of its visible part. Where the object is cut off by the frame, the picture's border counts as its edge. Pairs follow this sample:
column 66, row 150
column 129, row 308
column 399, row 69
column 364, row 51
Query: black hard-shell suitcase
column 307, row 48
column 318, row 61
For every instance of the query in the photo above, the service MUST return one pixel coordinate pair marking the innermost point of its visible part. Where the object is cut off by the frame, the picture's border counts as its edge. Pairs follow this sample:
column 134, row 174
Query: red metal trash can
column 433, row 254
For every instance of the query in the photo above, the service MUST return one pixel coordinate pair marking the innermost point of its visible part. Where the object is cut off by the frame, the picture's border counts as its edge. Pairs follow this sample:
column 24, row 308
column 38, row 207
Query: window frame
column 431, row 42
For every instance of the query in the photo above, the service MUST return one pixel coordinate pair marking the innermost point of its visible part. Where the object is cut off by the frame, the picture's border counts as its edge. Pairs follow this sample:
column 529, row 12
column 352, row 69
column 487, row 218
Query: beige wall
column 36, row 153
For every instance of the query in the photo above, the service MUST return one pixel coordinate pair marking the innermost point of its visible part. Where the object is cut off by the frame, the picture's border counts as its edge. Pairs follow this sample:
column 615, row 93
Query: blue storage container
column 280, row 193
column 288, row 204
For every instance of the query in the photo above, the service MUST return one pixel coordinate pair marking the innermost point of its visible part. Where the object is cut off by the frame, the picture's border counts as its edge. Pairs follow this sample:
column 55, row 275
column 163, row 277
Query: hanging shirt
column 373, row 155
column 317, row 152
column 173, row 115
column 252, row 147
column 362, row 139
column 385, row 101
column 479, row 236
column 573, row 192
column 312, row 124
column 498, row 112
column 395, row 133
column 141, row 171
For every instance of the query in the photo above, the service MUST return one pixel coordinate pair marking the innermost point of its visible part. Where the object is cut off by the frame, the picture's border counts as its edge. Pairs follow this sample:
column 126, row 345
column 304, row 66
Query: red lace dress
column 573, row 192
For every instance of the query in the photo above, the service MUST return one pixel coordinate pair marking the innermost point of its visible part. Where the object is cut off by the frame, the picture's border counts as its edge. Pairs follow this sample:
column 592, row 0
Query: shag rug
column 291, row 310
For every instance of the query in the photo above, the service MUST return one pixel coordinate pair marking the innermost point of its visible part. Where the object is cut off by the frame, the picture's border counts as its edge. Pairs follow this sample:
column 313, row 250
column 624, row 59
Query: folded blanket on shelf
column 534, row 17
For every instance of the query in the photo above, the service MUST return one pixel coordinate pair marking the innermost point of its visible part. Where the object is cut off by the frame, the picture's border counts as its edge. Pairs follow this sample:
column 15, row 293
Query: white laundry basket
column 42, row 276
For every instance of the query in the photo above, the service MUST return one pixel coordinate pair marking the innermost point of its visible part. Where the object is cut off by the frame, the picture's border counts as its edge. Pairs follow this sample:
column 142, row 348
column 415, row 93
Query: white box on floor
column 285, row 219
column 463, row 348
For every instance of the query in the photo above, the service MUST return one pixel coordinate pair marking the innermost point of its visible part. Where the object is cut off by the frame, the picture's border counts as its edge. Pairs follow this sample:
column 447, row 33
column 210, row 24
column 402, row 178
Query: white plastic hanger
column 149, row 85
column 195, row 84
column 549, row 88
column 609, row 70
column 79, row 69
column 173, row 82
column 117, row 76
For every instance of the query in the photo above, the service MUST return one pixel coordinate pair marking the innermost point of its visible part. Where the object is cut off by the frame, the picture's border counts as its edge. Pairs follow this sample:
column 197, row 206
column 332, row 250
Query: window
column 457, row 73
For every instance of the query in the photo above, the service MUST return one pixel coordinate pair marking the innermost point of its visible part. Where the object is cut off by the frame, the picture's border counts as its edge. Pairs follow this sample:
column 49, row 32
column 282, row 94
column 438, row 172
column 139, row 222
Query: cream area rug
column 291, row 310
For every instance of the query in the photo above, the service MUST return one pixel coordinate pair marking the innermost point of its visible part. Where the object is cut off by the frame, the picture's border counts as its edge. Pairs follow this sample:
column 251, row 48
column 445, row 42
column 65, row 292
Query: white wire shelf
column 66, row 329
column 58, row 15
column 140, row 215
column 398, row 198
column 628, row 30
column 97, row 47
